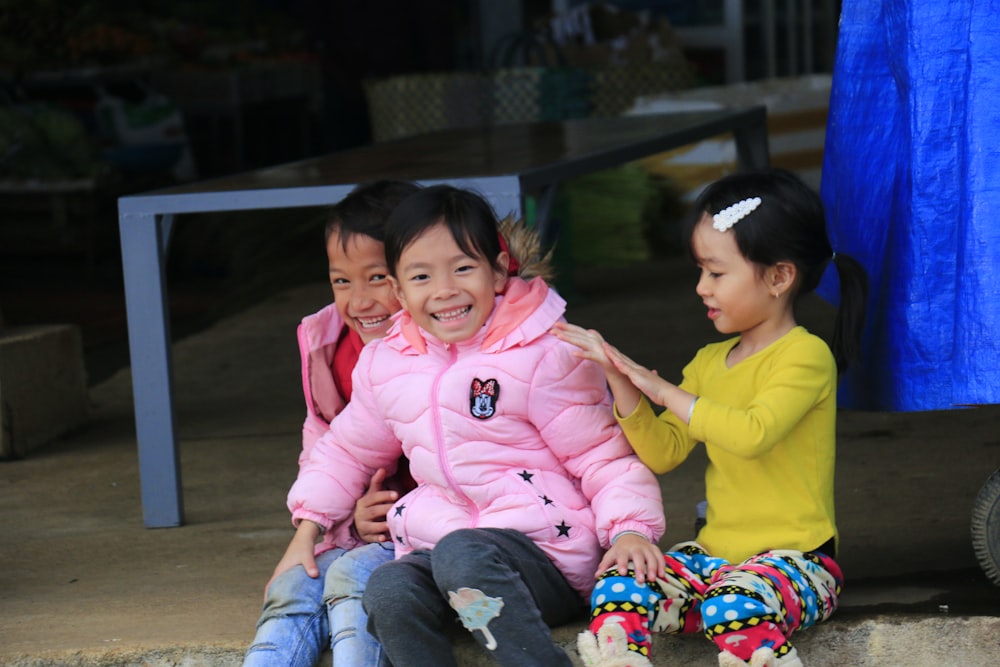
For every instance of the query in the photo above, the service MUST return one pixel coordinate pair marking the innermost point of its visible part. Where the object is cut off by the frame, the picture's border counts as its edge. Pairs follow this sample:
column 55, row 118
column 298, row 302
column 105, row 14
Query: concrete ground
column 82, row 582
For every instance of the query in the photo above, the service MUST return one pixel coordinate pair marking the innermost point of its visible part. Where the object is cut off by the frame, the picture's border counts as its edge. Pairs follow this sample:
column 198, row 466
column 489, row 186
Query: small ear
column 500, row 274
column 397, row 290
column 781, row 277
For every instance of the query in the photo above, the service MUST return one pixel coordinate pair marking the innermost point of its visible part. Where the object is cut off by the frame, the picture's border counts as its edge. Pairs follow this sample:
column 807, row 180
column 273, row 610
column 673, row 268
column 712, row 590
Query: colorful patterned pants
column 757, row 603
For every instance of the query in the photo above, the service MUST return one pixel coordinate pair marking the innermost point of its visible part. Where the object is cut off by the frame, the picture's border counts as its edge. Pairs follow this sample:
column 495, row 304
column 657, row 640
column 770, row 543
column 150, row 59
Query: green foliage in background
column 619, row 217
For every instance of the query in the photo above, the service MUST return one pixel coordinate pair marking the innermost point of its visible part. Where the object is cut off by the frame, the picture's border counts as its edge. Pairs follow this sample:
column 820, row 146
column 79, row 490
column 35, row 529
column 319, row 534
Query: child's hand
column 650, row 383
column 594, row 348
column 645, row 557
column 371, row 509
column 590, row 342
column 299, row 552
column 647, row 381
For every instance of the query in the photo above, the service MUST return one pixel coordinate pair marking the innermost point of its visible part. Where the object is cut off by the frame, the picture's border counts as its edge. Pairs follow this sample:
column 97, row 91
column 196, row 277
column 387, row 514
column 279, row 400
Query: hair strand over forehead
column 466, row 214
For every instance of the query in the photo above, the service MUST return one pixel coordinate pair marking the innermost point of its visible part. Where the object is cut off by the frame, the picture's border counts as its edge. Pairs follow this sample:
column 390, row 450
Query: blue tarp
column 911, row 180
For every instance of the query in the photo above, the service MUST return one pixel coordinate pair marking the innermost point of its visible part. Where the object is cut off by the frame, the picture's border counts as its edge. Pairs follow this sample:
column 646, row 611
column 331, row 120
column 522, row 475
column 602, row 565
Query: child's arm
column 800, row 381
column 328, row 487
column 592, row 346
column 626, row 379
column 659, row 391
column 342, row 463
column 369, row 522
column 299, row 552
column 569, row 405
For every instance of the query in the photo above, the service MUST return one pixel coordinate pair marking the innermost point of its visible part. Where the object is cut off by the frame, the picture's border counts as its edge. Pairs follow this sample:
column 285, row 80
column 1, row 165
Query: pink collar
column 517, row 302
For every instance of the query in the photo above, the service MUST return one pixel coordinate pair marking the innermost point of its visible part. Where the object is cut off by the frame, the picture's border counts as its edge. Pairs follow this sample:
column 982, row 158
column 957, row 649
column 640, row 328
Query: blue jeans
column 296, row 623
column 346, row 579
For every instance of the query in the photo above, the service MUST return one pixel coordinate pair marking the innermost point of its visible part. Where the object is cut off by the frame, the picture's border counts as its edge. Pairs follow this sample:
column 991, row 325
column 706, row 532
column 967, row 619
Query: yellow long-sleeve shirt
column 769, row 428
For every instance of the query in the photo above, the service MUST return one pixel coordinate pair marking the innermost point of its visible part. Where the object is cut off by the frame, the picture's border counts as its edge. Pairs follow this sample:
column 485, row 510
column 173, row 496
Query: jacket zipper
column 439, row 437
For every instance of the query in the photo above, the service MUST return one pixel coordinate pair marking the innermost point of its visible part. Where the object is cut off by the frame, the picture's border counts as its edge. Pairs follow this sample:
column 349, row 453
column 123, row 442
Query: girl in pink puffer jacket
column 523, row 475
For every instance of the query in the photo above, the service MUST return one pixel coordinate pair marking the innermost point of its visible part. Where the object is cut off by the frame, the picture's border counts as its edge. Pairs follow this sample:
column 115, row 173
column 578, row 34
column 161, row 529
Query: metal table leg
column 144, row 245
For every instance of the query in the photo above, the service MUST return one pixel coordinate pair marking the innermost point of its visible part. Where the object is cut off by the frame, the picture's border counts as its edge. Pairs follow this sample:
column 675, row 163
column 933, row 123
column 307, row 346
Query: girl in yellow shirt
column 764, row 405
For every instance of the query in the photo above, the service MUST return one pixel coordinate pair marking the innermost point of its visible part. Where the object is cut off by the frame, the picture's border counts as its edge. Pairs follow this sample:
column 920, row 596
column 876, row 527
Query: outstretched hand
column 371, row 509
column 645, row 557
column 645, row 380
column 590, row 343
column 592, row 346
column 652, row 385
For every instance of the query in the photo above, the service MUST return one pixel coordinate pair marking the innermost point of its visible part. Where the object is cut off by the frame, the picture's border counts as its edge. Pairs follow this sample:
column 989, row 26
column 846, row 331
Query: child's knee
column 293, row 591
column 346, row 578
column 463, row 556
column 465, row 542
column 385, row 589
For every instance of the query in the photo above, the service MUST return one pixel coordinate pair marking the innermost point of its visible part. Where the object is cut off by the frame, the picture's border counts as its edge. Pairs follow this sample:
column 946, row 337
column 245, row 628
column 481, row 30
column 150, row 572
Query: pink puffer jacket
column 318, row 335
column 508, row 430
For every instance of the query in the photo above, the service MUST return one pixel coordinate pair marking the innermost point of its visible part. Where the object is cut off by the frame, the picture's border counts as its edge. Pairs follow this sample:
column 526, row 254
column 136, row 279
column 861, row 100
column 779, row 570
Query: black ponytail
column 850, row 319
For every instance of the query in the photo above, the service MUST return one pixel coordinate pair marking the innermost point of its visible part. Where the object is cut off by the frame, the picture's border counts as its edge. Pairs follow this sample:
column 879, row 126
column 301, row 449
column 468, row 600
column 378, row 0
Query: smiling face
column 448, row 293
column 735, row 290
column 360, row 282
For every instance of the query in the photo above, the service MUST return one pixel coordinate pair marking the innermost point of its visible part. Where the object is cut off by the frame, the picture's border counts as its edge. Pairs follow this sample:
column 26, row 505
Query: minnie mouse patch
column 483, row 398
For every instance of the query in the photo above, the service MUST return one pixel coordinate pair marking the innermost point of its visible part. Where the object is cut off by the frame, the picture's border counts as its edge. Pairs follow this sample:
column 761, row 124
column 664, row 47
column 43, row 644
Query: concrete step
column 870, row 641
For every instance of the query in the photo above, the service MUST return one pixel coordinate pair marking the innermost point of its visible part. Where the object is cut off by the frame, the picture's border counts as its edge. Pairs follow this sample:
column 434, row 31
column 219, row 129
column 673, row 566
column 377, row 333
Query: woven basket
column 405, row 105
column 614, row 88
column 401, row 106
column 526, row 94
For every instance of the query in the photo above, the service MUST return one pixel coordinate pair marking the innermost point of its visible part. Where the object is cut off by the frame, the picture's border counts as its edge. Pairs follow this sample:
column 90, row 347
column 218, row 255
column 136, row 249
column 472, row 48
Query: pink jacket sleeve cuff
column 300, row 514
column 630, row 527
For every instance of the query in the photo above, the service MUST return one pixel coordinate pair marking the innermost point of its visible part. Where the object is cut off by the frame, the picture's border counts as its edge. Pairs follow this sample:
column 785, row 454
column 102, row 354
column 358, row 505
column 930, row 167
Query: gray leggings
column 502, row 587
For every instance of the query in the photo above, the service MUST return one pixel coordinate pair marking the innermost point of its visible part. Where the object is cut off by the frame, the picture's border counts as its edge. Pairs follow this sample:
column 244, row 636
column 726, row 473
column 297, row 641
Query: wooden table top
column 538, row 153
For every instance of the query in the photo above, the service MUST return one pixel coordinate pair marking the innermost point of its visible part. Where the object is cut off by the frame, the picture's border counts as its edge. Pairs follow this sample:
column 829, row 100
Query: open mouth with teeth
column 368, row 323
column 452, row 315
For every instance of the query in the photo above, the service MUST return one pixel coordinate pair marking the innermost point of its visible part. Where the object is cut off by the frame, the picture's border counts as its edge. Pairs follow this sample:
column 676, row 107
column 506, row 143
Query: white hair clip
column 729, row 216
